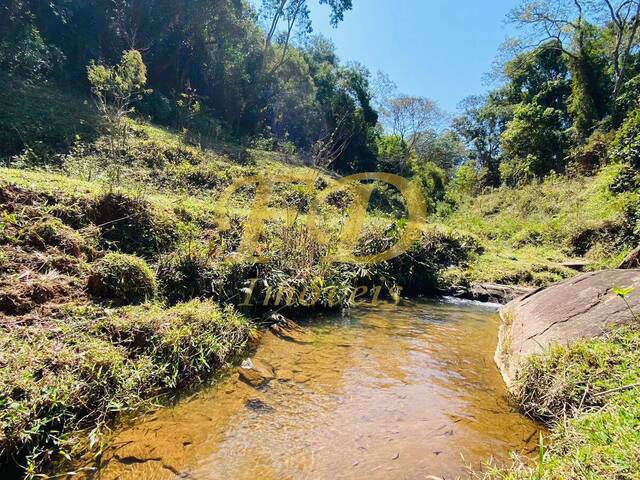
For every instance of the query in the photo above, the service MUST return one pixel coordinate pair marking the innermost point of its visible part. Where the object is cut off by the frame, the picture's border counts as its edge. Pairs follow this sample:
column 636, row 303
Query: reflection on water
column 391, row 392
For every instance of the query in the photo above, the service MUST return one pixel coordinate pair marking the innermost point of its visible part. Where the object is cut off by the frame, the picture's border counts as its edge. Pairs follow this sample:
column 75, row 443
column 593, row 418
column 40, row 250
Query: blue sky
column 434, row 48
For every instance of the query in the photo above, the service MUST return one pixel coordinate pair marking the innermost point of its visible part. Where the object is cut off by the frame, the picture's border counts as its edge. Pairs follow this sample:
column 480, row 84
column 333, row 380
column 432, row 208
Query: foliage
column 393, row 153
column 431, row 179
column 125, row 279
column 445, row 149
column 465, row 182
column 91, row 364
column 588, row 392
column 593, row 154
column 40, row 119
column 25, row 54
column 132, row 225
column 626, row 145
column 481, row 125
column 115, row 88
column 184, row 275
column 533, row 143
column 528, row 231
column 219, row 69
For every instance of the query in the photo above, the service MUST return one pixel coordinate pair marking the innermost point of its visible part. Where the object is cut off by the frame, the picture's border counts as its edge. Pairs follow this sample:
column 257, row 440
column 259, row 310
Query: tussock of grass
column 123, row 278
column 62, row 375
column 566, row 381
column 587, row 393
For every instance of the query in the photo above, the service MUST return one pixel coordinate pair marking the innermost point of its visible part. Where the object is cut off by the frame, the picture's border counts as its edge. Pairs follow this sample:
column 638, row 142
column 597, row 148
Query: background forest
column 227, row 70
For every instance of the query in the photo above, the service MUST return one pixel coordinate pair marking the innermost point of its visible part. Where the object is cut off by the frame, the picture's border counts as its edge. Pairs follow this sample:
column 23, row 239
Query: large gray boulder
column 578, row 308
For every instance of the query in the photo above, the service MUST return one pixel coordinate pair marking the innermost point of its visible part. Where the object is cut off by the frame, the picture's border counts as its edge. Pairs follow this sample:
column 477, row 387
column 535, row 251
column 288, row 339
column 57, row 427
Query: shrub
column 123, row 278
column 626, row 149
column 185, row 275
column 418, row 269
column 432, row 181
column 588, row 158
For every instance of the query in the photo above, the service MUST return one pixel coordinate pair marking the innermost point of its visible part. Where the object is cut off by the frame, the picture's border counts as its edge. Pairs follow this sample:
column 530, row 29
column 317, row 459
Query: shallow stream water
column 389, row 392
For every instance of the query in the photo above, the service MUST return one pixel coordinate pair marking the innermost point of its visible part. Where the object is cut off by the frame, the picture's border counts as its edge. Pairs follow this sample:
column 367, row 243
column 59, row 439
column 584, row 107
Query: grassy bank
column 66, row 376
column 589, row 395
column 529, row 232
column 115, row 288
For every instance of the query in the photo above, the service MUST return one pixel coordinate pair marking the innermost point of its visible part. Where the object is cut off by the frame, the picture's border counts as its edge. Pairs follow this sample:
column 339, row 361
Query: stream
column 389, row 392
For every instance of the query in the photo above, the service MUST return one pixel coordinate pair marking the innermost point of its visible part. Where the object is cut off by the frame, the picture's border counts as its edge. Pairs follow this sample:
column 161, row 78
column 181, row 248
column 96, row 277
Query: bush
column 184, row 275
column 432, row 181
column 588, row 158
column 125, row 279
column 418, row 270
column 626, row 149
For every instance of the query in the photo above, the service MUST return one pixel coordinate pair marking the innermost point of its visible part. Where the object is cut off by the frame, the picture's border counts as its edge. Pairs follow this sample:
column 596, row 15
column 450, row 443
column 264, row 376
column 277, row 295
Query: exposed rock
column 256, row 373
column 258, row 406
column 273, row 318
column 632, row 260
column 490, row 292
column 577, row 265
column 581, row 307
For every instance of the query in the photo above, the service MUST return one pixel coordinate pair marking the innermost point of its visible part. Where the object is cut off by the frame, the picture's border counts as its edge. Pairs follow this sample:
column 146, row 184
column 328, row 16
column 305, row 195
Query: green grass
column 77, row 370
column 589, row 395
column 529, row 231
column 41, row 118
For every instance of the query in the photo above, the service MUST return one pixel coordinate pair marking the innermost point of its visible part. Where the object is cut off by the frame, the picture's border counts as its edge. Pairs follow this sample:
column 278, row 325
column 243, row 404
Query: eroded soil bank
column 388, row 392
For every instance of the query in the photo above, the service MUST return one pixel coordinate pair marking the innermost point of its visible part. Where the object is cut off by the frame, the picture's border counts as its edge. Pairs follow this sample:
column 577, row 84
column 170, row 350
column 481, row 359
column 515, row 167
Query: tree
column 392, row 153
column 295, row 14
column 624, row 18
column 116, row 87
column 408, row 116
column 540, row 75
column 533, row 143
column 481, row 123
column 446, row 149
column 284, row 19
column 566, row 23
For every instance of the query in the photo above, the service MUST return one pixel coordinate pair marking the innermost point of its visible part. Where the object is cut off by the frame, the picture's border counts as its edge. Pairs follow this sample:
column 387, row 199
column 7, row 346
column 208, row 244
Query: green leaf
column 622, row 292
